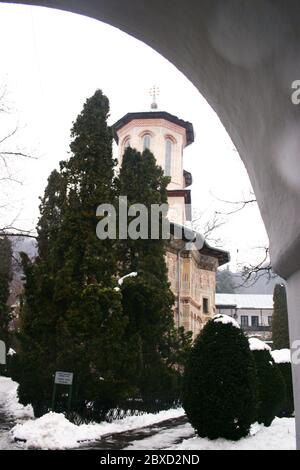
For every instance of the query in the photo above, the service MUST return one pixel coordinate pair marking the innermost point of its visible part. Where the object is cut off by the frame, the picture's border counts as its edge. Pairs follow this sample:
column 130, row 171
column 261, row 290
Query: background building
column 252, row 311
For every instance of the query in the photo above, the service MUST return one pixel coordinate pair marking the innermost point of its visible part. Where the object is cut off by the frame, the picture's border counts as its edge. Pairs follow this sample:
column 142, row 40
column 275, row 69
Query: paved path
column 6, row 423
column 158, row 436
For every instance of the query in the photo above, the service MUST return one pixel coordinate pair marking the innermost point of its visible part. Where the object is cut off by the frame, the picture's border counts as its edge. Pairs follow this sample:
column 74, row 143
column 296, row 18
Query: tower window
column 168, row 157
column 126, row 143
column 146, row 142
column 205, row 305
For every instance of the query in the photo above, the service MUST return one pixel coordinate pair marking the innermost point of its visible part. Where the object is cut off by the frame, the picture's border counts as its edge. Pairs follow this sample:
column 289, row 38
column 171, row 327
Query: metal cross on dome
column 154, row 92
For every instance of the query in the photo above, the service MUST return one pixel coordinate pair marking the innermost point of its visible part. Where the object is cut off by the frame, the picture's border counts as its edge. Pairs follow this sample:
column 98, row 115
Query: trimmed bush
column 271, row 386
column 220, row 387
column 282, row 357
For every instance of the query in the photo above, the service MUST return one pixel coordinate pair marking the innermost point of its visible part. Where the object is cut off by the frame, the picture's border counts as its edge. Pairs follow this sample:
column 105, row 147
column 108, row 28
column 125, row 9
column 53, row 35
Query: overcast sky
column 51, row 61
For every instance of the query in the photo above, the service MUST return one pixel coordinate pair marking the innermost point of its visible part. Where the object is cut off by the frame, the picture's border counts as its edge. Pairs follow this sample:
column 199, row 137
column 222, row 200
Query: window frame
column 205, row 305
column 145, row 136
column 243, row 318
column 169, row 149
column 126, row 143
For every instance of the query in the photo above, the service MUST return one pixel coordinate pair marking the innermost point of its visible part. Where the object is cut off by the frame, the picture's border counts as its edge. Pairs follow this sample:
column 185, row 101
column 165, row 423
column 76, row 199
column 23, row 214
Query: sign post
column 63, row 378
column 53, row 397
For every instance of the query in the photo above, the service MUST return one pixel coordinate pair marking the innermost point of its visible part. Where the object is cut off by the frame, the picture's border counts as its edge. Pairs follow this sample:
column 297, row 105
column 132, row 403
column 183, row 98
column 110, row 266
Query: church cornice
column 155, row 115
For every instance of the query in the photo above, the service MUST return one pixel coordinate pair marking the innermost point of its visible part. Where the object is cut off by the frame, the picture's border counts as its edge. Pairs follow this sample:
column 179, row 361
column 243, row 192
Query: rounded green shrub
column 271, row 386
column 220, row 387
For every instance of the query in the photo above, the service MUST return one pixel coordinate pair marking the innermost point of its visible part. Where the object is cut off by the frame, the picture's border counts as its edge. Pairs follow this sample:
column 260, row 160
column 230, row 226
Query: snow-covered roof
column 258, row 345
column 226, row 319
column 250, row 301
column 281, row 356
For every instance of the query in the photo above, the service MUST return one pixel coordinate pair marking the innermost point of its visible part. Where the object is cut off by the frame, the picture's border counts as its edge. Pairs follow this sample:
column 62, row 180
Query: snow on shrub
column 271, row 384
column 220, row 388
column 282, row 357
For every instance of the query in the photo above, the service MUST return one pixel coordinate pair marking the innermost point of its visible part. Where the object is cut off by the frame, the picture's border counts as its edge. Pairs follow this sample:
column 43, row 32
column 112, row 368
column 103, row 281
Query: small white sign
column 63, row 378
column 2, row 353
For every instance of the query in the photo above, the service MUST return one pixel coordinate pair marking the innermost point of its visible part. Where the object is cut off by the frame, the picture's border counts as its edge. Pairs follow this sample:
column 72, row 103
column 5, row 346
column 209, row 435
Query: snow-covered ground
column 54, row 431
column 9, row 402
column 11, row 412
column 279, row 436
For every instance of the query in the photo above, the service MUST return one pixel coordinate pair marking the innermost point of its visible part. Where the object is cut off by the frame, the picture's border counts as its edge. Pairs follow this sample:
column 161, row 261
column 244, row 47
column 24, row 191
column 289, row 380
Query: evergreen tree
column 280, row 326
column 287, row 409
column 34, row 367
column 282, row 358
column 72, row 316
column 271, row 386
column 5, row 279
column 154, row 345
column 220, row 385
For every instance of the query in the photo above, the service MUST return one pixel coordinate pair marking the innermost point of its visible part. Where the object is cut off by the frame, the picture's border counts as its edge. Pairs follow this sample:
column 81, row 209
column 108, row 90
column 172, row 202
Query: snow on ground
column 258, row 345
column 9, row 401
column 225, row 319
column 281, row 356
column 279, row 436
column 54, row 431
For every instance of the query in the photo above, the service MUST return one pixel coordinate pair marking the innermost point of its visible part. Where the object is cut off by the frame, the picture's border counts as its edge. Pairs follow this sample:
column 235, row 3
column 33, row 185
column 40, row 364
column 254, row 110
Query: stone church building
column 192, row 273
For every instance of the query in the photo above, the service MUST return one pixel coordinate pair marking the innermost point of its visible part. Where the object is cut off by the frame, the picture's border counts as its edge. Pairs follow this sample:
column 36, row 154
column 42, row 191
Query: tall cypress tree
column 34, row 366
column 280, row 326
column 5, row 278
column 72, row 316
column 152, row 341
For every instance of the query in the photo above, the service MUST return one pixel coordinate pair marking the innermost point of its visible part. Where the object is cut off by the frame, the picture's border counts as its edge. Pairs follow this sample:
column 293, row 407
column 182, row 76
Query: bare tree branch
column 18, row 154
column 8, row 136
column 208, row 225
column 251, row 273
column 8, row 155
column 242, row 204
column 10, row 178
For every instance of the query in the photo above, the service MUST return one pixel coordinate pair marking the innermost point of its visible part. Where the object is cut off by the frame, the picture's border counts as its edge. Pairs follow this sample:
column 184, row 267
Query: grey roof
column 222, row 255
column 250, row 301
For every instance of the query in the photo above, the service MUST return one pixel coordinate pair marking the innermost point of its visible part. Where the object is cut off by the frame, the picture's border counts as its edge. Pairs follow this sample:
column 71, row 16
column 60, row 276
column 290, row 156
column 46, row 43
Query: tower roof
column 188, row 126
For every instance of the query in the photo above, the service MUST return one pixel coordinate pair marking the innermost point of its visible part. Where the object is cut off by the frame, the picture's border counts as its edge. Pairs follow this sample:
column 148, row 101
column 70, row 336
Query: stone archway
column 243, row 57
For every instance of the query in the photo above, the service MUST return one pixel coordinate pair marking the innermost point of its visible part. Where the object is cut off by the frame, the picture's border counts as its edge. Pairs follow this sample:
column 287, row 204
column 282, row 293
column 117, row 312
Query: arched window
column 126, row 143
column 146, row 141
column 168, row 157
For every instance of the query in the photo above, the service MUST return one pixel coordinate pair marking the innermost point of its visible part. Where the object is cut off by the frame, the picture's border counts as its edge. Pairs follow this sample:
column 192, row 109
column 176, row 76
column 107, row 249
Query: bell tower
column 166, row 136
